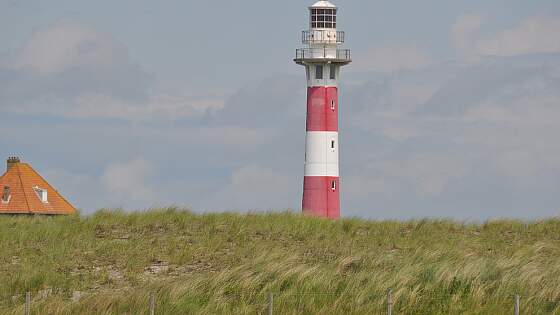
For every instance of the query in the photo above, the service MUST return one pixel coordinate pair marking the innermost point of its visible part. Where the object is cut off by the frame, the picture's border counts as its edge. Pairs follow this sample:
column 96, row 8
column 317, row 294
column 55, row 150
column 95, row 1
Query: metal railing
column 337, row 55
column 322, row 37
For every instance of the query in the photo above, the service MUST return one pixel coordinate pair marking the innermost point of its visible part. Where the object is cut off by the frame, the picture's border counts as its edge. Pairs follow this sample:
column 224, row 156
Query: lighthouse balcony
column 310, row 55
column 322, row 37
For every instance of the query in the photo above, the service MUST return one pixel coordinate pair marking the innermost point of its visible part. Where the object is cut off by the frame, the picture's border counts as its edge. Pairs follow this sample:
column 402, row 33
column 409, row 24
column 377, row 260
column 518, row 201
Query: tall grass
column 228, row 263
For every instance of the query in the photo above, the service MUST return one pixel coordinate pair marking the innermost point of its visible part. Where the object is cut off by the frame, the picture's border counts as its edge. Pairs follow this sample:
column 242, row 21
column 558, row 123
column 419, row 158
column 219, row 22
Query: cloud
column 536, row 34
column 251, row 187
column 71, row 70
column 129, row 181
column 67, row 44
column 127, row 184
column 449, row 140
column 156, row 107
column 475, row 136
column 464, row 31
column 392, row 183
column 474, row 140
column 392, row 58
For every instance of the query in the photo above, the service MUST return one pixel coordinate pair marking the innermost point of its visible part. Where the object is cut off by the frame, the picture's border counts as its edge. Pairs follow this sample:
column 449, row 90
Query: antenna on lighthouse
column 322, row 57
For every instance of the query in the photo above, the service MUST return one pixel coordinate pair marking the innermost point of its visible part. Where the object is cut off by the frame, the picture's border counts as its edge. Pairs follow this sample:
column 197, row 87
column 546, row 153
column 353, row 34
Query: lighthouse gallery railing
column 322, row 36
column 340, row 55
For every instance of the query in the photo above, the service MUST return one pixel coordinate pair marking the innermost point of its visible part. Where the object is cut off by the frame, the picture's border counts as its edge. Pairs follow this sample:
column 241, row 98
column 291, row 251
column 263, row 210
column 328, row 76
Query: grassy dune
column 228, row 263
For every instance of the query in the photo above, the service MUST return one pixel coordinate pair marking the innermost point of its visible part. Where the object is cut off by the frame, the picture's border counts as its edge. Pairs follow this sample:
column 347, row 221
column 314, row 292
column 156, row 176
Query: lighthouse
column 322, row 58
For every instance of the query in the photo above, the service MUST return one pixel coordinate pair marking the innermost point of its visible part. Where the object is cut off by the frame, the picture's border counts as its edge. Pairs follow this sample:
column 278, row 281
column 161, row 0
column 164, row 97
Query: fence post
column 516, row 309
column 152, row 303
column 390, row 302
column 27, row 303
column 270, row 303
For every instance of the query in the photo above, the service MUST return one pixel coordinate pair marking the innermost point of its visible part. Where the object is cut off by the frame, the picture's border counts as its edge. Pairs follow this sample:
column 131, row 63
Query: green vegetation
column 108, row 263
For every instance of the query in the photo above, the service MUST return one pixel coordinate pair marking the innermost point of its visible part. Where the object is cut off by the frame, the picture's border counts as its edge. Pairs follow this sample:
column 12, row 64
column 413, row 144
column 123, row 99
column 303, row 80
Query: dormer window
column 41, row 194
column 323, row 18
column 6, row 194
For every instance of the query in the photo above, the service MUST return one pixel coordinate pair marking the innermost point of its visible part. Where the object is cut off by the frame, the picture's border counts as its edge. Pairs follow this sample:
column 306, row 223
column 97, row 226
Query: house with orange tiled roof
column 24, row 191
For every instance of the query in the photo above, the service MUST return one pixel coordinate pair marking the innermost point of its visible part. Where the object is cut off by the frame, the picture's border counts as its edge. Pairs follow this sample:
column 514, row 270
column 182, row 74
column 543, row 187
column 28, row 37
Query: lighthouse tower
column 322, row 59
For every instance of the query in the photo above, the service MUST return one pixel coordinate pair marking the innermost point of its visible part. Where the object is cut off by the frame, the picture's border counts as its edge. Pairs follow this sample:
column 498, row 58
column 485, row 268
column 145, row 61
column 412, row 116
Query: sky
column 449, row 108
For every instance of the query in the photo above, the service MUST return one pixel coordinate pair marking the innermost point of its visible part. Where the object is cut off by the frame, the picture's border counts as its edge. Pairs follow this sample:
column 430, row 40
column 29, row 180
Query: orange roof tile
column 22, row 180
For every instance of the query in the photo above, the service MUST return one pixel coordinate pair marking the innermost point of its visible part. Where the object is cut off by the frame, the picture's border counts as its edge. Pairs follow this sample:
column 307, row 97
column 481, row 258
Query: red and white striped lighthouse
column 322, row 60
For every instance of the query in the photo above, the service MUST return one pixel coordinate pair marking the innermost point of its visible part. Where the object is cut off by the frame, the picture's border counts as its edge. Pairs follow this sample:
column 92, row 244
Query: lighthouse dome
column 323, row 4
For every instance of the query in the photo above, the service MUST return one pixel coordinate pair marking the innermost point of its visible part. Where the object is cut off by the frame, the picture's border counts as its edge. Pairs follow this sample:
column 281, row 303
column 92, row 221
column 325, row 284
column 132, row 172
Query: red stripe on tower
column 322, row 60
column 322, row 109
column 321, row 196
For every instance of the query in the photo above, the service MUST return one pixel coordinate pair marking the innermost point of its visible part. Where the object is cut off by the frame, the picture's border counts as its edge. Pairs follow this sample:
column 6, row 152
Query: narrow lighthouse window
column 319, row 72
column 332, row 144
column 333, row 72
column 333, row 185
column 332, row 105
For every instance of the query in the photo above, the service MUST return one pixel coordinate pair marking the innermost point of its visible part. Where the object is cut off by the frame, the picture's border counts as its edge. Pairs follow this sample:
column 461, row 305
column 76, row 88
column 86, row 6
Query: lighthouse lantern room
column 322, row 59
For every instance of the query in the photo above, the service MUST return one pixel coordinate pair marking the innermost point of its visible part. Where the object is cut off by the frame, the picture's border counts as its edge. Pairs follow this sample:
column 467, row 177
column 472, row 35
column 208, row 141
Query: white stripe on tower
column 321, row 149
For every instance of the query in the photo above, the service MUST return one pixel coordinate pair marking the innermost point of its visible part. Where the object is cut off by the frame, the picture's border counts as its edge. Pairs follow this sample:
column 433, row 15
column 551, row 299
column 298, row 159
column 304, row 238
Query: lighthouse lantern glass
column 323, row 18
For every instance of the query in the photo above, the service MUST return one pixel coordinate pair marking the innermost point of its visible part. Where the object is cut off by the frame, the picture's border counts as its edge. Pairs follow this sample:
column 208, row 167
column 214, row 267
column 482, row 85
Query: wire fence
column 273, row 303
